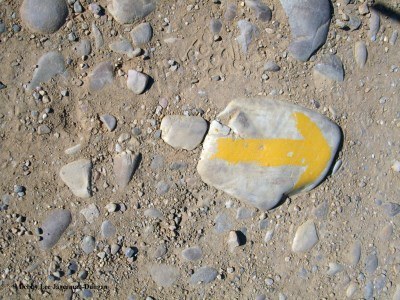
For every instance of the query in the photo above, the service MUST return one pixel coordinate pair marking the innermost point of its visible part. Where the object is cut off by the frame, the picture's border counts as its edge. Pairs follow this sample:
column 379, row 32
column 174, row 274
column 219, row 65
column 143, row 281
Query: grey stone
column 43, row 129
column 107, row 229
column 391, row 209
column 354, row 253
column 371, row 263
column 330, row 67
column 334, row 268
column 54, row 226
column 141, row 34
column 374, row 24
column 2, row 27
column 305, row 238
column 160, row 251
column 230, row 12
column 360, row 54
column 87, row 294
column 122, row 46
column 396, row 295
column 309, row 24
column 248, row 32
column 115, row 248
column 98, row 36
column 102, row 75
column 78, row 7
column 157, row 162
column 183, row 132
column 91, row 213
column 84, row 48
column 88, row 244
column 109, row 121
column 215, row 26
column 49, row 65
column 321, row 210
column 368, row 290
column 44, row 16
column 393, row 37
column 164, row 275
column 129, row 11
column 354, row 22
column 153, row 213
column 162, row 187
column 386, row 232
column 261, row 10
column 192, row 253
column 203, row 275
column 271, row 66
column 244, row 213
column 222, row 223
column 77, row 176
column 137, row 81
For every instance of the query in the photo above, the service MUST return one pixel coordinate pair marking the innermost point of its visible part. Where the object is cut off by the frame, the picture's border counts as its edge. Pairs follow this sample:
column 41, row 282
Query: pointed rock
column 309, row 24
column 49, row 65
column 305, row 238
column 77, row 176
column 125, row 164
column 330, row 67
column 54, row 226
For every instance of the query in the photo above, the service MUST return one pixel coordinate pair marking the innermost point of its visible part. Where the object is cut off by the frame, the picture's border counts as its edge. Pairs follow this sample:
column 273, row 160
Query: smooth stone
column 153, row 213
column 49, row 65
column 2, row 27
column 137, row 81
column 43, row 129
column 386, row 232
column 77, row 176
column 164, row 275
column 44, row 16
column 157, row 162
column 374, row 25
column 84, row 48
column 368, row 290
column 215, row 26
column 391, row 209
column 360, row 54
column 192, row 253
column 109, row 121
column 183, row 132
column 309, row 24
column 334, row 268
column 330, row 67
column 91, row 213
column 141, row 34
column 203, row 275
column 122, row 46
column 98, row 36
column 78, row 7
column 305, row 238
column 371, row 263
column 354, row 253
column 393, row 38
column 53, row 227
column 102, row 75
column 380, row 283
column 271, row 66
column 354, row 23
column 245, row 172
column 107, row 229
column 160, row 251
column 114, row 249
column 125, row 165
column 88, row 244
column 248, row 32
column 129, row 11
column 244, row 213
column 351, row 290
column 262, row 11
column 222, row 223
column 230, row 12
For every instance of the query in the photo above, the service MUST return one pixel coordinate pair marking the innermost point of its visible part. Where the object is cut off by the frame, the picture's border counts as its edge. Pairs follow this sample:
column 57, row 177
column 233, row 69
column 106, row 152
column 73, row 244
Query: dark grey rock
column 215, row 26
column 107, row 229
column 203, row 275
column 44, row 16
column 54, row 226
column 309, row 24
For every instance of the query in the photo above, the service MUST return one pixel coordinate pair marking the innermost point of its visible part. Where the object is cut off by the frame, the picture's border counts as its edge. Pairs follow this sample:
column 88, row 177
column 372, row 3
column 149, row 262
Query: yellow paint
column 312, row 152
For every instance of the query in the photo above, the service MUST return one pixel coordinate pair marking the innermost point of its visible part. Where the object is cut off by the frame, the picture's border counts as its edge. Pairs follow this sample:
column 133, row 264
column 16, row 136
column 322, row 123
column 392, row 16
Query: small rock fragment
column 141, row 34
column 396, row 166
column 102, row 75
column 91, row 213
column 107, row 229
column 262, row 11
column 354, row 253
column 43, row 129
column 230, row 12
column 330, row 67
column 137, row 81
column 109, row 121
column 391, row 209
column 125, row 165
column 215, row 26
column 54, row 226
column 77, row 176
column 160, row 251
column 244, row 213
column 98, row 36
column 153, row 213
column 360, row 54
column 334, row 268
column 393, row 38
column 122, row 46
column 271, row 66
column 203, row 275
column 88, row 244
column 129, row 11
column 305, row 238
column 84, row 48
column 233, row 240
column 371, row 263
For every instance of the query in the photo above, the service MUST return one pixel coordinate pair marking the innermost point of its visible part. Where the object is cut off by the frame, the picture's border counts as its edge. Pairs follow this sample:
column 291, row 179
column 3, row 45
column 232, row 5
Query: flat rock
column 244, row 213
column 309, row 24
column 215, row 26
column 164, row 275
column 102, row 75
column 222, row 223
column 83, row 48
column 137, row 81
column 49, row 65
column 261, row 10
column 125, row 165
column 305, row 238
column 391, row 209
column 160, row 251
column 153, row 213
column 330, row 67
column 129, row 11
column 44, row 16
column 88, row 244
column 77, row 176
column 91, row 213
column 107, row 229
column 192, row 253
column 275, row 146
column 122, row 46
column 54, row 226
column 183, row 132
column 354, row 253
column 248, row 32
column 271, row 66
column 141, row 34
column 109, row 121
column 203, row 275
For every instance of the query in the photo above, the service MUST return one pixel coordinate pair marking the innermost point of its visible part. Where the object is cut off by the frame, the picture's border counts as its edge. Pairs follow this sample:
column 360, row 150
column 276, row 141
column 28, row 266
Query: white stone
column 91, row 213
column 77, row 176
column 305, row 238
column 183, row 132
column 251, row 173
column 137, row 82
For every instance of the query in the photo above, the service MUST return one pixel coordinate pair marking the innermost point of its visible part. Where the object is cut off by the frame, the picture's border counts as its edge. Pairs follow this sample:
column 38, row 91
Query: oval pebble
column 360, row 54
column 215, row 26
column 129, row 11
column 374, row 25
column 203, row 275
column 192, row 253
column 354, row 254
column 371, row 263
column 54, row 226
column 44, row 16
column 107, row 229
column 141, row 34
column 137, row 81
column 88, row 244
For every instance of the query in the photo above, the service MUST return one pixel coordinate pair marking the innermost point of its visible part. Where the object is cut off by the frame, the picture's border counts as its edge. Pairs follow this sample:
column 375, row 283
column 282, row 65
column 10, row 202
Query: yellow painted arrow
column 312, row 152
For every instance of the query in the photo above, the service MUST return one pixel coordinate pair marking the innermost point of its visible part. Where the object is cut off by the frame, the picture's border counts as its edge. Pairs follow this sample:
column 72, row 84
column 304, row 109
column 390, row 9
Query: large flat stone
column 266, row 150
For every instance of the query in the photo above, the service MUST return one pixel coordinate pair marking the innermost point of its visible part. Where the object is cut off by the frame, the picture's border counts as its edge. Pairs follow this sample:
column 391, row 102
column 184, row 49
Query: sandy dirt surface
column 351, row 207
